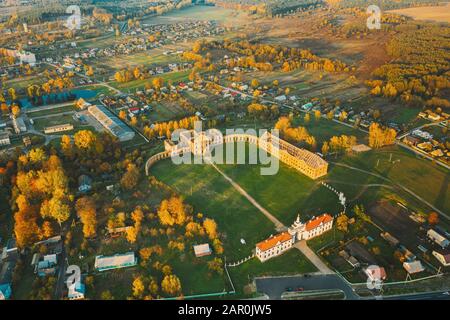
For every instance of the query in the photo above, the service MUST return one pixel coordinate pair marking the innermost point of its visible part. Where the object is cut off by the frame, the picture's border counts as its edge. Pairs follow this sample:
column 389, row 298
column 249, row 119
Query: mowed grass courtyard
column 289, row 193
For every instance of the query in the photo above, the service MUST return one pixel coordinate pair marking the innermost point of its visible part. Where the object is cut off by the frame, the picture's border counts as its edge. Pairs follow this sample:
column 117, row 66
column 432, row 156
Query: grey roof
column 112, row 123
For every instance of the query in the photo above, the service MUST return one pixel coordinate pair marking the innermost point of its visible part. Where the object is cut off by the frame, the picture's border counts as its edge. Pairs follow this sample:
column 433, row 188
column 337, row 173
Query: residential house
column 103, row 263
column 202, row 250
column 438, row 238
column 413, row 267
column 19, row 125
column 47, row 266
column 274, row 246
column 4, row 139
column 442, row 257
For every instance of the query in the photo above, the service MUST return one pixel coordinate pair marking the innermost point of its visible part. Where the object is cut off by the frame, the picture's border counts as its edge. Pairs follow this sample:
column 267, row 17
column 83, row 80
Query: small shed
column 413, row 267
column 202, row 250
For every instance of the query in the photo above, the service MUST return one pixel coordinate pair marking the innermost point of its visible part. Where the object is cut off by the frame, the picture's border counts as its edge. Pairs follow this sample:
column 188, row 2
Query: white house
column 4, row 139
column 281, row 98
column 443, row 258
column 274, row 246
column 313, row 228
column 19, row 125
column 413, row 267
column 437, row 238
column 279, row 243
column 202, row 250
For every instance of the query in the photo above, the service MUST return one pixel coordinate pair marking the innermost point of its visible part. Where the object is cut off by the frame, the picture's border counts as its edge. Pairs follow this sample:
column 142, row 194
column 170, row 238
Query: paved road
column 274, row 287
column 440, row 295
column 313, row 257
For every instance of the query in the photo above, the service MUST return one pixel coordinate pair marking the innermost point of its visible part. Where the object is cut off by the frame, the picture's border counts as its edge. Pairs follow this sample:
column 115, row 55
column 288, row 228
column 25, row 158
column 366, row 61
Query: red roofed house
column 279, row 243
column 375, row 273
column 274, row 246
column 313, row 228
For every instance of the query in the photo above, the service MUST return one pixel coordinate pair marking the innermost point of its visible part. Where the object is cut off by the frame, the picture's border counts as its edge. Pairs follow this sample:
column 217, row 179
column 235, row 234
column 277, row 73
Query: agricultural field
column 436, row 13
column 164, row 111
column 135, row 85
column 229, row 17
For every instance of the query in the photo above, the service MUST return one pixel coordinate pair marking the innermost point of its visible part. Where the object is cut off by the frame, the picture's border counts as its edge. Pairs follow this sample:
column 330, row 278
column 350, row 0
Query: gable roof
column 316, row 222
column 274, row 241
column 445, row 255
column 413, row 267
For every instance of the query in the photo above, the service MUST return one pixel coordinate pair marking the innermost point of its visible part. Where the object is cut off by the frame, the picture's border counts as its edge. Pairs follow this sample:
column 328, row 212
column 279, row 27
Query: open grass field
column 165, row 111
column 32, row 113
column 41, row 123
column 134, row 85
column 324, row 129
column 141, row 59
column 197, row 13
column 209, row 193
column 289, row 193
column 422, row 177
column 433, row 13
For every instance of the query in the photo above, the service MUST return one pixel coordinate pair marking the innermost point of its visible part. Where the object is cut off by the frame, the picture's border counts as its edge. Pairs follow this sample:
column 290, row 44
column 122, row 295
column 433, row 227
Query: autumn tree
column 26, row 228
column 171, row 285
column 379, row 137
column 342, row 223
column 210, row 228
column 130, row 178
column 216, row 265
column 433, row 218
column 325, row 148
column 172, row 211
column 86, row 211
column 132, row 234
column 85, row 139
column 56, row 208
column 138, row 287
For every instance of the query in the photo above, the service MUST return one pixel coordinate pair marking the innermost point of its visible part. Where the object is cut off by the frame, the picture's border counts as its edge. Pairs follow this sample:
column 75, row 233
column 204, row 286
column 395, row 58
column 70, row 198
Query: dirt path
column 301, row 245
column 313, row 257
column 278, row 225
column 395, row 185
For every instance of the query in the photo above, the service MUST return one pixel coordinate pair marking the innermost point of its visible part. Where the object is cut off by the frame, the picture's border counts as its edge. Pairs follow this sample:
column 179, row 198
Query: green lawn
column 324, row 129
column 405, row 115
column 210, row 194
column 139, row 84
column 423, row 177
column 32, row 114
column 40, row 124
